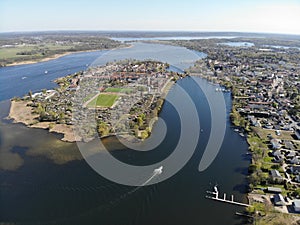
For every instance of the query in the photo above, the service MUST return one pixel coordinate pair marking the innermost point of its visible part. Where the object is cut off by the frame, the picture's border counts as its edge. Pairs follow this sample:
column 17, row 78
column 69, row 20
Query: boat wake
column 155, row 173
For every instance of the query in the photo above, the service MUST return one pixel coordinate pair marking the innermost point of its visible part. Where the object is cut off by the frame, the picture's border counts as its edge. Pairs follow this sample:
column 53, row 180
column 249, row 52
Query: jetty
column 216, row 197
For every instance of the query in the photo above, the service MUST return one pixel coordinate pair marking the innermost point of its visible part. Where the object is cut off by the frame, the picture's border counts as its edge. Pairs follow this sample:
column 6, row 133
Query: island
column 120, row 98
column 124, row 98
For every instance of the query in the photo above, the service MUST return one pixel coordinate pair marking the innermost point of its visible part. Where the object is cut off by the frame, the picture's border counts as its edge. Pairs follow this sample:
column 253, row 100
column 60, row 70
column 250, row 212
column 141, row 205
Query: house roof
column 274, row 189
column 275, row 173
column 291, row 154
column 295, row 168
column 296, row 203
column 277, row 152
column 279, row 200
column 275, row 143
column 295, row 160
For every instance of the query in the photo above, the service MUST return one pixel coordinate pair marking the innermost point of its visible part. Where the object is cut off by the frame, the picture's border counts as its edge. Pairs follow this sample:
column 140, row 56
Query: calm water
column 238, row 44
column 18, row 80
column 40, row 191
column 171, row 38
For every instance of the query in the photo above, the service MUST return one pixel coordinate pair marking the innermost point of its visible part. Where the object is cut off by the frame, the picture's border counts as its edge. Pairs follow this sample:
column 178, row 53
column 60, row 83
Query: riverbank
column 52, row 109
column 20, row 112
column 268, row 125
column 57, row 56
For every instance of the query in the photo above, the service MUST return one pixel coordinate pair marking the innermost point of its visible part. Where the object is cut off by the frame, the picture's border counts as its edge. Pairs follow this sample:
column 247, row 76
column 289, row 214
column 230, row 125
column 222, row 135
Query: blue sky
column 189, row 15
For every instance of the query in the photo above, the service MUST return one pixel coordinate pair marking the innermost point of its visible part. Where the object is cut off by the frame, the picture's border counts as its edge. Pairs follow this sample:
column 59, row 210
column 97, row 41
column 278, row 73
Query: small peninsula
column 120, row 98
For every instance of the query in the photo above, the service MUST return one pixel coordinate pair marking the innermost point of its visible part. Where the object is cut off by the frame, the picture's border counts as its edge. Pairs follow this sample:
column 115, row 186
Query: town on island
column 262, row 77
column 124, row 97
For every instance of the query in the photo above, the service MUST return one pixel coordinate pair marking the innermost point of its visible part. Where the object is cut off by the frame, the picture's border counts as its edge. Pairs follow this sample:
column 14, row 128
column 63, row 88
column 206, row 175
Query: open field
column 25, row 49
column 263, row 133
column 119, row 90
column 16, row 52
column 103, row 100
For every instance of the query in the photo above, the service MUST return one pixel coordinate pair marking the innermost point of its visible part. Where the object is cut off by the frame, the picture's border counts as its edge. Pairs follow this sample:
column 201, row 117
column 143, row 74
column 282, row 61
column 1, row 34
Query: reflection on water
column 238, row 44
column 123, row 39
column 177, row 56
column 18, row 80
column 43, row 192
column 46, row 182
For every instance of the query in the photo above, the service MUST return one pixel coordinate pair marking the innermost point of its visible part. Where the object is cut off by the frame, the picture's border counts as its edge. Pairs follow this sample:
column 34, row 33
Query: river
column 47, row 183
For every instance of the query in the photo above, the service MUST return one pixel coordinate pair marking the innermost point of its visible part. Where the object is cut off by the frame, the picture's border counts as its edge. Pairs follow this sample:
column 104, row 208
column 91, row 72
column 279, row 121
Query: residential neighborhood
column 265, row 88
column 120, row 98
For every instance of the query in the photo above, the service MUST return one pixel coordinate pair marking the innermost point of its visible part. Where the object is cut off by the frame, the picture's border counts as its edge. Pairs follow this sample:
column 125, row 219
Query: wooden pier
column 217, row 198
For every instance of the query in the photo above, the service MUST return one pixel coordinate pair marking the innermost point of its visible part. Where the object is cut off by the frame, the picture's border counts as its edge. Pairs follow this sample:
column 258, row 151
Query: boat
column 158, row 170
column 46, row 71
column 216, row 189
column 24, row 78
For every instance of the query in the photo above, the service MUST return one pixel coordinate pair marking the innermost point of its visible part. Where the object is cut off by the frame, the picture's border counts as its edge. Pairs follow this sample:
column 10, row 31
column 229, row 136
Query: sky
column 264, row 16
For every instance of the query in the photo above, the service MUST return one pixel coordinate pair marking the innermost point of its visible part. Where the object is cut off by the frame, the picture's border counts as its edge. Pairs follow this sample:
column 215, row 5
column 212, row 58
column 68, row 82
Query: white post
column 224, row 196
column 232, row 198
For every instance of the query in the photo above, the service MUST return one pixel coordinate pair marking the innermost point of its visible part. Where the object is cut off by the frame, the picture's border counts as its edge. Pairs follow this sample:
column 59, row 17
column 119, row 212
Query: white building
column 296, row 205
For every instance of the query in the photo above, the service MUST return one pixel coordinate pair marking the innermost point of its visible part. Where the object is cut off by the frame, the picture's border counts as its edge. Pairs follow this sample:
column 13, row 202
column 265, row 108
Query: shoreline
column 57, row 56
column 19, row 112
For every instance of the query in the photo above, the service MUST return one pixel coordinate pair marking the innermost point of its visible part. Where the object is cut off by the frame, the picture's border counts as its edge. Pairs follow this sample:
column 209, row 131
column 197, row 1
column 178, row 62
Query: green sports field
column 103, row 100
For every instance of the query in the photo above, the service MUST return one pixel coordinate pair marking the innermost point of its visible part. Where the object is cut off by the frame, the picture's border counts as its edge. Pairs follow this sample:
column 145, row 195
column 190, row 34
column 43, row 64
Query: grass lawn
column 263, row 133
column 268, row 159
column 11, row 53
column 103, row 100
column 6, row 53
column 118, row 90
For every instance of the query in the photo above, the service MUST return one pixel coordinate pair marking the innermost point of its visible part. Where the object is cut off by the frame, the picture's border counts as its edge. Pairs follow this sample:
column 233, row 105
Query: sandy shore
column 56, row 56
column 21, row 113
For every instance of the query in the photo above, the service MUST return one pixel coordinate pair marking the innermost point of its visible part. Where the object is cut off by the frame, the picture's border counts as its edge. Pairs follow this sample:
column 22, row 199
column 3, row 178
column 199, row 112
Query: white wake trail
column 153, row 175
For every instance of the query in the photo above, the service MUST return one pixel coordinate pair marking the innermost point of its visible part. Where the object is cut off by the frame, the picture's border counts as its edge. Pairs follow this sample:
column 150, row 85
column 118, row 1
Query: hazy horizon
column 196, row 32
column 256, row 16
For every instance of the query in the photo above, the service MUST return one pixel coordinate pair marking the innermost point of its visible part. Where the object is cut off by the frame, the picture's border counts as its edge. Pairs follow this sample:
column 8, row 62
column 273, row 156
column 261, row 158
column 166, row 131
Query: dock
column 217, row 198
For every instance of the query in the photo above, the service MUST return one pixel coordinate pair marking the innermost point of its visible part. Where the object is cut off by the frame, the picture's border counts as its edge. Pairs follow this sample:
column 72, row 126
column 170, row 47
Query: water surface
column 50, row 184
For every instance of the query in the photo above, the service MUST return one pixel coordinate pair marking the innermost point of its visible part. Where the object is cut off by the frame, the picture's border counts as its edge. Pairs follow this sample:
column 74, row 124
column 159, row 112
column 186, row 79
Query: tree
column 103, row 128
column 297, row 192
column 252, row 168
column 144, row 134
column 140, row 121
column 61, row 117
